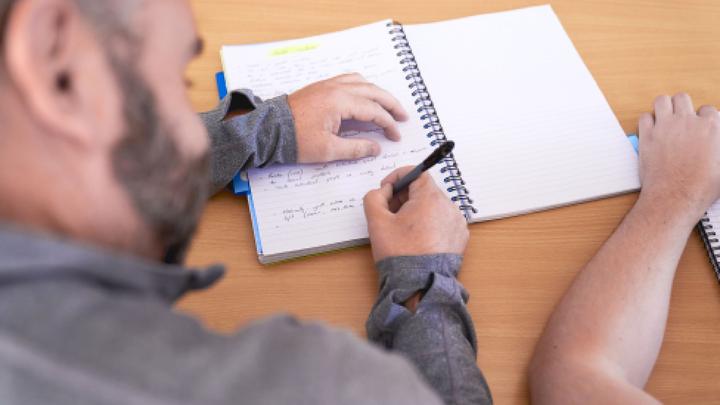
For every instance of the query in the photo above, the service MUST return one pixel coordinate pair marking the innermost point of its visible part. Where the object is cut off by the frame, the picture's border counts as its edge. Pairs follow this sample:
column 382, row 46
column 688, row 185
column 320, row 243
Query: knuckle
column 358, row 150
column 714, row 121
column 353, row 76
column 646, row 118
column 367, row 199
column 680, row 95
column 427, row 180
column 336, row 91
column 373, row 89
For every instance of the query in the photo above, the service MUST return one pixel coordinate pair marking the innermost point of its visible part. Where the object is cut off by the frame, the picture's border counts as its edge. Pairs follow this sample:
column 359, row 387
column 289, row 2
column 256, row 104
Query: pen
column 439, row 154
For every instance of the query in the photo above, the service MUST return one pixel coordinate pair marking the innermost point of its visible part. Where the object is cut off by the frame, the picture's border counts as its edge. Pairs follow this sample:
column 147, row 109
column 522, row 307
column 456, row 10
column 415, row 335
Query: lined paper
column 301, row 207
column 533, row 129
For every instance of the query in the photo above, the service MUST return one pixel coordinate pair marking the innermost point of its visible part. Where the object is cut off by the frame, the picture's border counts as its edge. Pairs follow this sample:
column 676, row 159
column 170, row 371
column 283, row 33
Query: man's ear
column 48, row 49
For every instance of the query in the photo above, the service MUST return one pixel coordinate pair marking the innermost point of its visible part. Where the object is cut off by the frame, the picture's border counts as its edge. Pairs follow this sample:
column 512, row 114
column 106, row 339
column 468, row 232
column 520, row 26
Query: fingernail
column 375, row 149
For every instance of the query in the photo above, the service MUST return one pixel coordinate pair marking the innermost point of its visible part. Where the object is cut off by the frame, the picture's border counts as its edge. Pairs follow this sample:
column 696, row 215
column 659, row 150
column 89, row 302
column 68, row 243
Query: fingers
column 645, row 125
column 363, row 109
column 370, row 103
column 682, row 104
column 349, row 78
column 423, row 183
column 352, row 148
column 377, row 202
column 663, row 108
column 708, row 111
column 382, row 97
column 421, row 186
column 396, row 175
column 402, row 197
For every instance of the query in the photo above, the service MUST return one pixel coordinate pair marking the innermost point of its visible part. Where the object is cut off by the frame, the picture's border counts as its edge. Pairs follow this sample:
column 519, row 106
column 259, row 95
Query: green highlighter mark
column 293, row 49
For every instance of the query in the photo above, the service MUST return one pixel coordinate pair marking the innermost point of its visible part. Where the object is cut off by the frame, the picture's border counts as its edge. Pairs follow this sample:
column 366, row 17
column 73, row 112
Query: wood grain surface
column 516, row 269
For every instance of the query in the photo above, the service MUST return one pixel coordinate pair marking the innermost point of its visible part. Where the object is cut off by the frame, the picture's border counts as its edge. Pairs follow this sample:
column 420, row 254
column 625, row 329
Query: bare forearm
column 613, row 317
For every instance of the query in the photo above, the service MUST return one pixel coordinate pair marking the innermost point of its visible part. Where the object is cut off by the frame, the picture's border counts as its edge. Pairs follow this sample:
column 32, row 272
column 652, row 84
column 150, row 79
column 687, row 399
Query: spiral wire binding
column 454, row 181
column 712, row 243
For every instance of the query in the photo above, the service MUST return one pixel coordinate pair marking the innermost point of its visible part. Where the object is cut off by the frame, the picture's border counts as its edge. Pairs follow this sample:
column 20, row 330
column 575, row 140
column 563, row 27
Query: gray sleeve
column 262, row 137
column 307, row 363
column 89, row 346
column 439, row 338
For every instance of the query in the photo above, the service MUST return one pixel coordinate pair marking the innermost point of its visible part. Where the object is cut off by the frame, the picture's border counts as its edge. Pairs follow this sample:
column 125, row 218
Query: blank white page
column 302, row 207
column 532, row 128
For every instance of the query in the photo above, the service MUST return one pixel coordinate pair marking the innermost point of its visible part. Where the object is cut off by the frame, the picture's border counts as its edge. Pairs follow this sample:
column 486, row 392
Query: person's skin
column 422, row 213
column 602, row 341
column 320, row 108
column 61, row 114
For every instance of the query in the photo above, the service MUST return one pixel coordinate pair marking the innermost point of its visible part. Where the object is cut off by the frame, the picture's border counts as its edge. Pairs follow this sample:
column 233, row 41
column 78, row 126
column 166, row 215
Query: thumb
column 353, row 148
column 377, row 202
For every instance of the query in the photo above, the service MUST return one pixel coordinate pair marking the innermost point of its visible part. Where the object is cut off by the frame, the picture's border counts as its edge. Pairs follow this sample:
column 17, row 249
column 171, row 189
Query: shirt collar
column 32, row 257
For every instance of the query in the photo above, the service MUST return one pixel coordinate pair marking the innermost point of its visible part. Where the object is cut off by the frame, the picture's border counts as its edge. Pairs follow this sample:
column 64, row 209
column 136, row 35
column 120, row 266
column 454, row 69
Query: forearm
column 261, row 137
column 438, row 337
column 612, row 320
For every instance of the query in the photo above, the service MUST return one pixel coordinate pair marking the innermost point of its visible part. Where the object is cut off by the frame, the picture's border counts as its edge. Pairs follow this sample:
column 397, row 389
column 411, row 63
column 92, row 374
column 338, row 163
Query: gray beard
column 167, row 190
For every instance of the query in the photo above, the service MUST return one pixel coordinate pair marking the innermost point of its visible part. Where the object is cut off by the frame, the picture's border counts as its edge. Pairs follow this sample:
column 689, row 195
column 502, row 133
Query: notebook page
column 301, row 207
column 533, row 129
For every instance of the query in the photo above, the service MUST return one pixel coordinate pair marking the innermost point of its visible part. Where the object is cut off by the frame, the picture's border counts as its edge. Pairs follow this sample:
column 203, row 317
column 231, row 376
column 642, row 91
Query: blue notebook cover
column 240, row 185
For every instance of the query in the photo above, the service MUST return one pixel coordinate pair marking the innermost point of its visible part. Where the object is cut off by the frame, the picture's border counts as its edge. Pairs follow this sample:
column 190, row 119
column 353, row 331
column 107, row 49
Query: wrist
column 412, row 303
column 675, row 212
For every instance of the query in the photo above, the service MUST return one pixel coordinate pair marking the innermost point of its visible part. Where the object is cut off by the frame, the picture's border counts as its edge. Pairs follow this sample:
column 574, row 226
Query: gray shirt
column 83, row 325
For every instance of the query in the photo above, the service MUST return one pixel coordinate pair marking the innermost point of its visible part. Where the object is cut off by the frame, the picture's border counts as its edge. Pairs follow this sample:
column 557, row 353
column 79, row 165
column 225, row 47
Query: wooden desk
column 516, row 269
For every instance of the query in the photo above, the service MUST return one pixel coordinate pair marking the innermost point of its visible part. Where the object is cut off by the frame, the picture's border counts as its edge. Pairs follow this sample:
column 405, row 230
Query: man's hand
column 320, row 108
column 680, row 156
column 602, row 341
column 420, row 221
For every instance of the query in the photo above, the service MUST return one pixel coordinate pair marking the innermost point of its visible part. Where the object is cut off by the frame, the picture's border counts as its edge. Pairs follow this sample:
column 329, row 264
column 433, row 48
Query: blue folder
column 240, row 184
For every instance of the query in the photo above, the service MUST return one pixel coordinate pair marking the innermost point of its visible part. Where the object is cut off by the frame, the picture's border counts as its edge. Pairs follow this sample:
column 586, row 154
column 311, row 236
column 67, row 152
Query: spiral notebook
column 532, row 128
column 709, row 228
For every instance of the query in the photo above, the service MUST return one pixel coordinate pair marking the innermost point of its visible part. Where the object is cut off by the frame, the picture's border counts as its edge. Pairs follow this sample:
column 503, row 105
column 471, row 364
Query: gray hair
column 109, row 18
